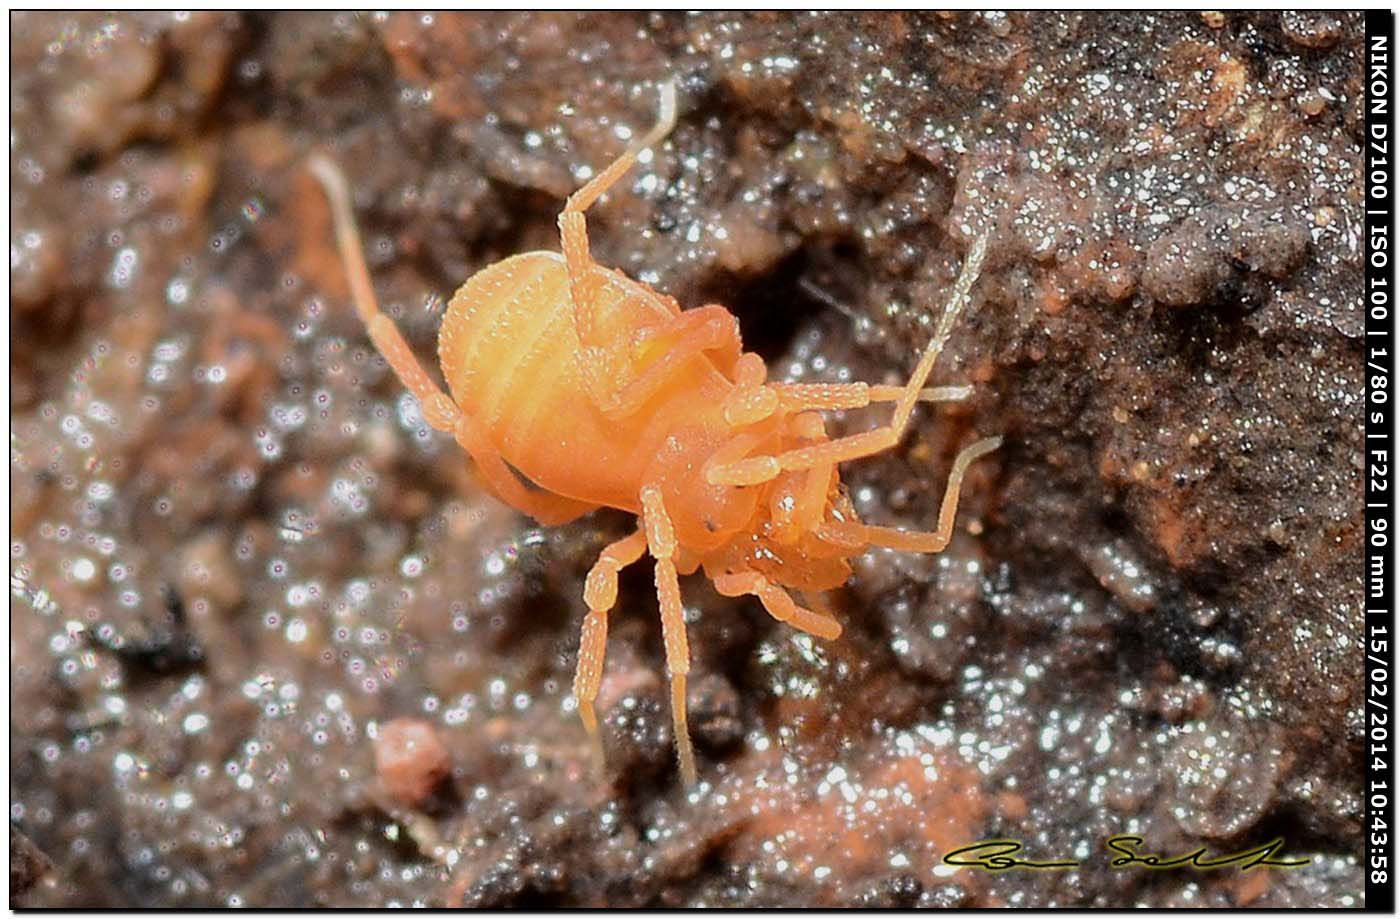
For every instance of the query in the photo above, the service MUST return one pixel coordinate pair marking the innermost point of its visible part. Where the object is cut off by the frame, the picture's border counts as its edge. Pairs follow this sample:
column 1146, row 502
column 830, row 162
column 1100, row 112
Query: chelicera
column 575, row 387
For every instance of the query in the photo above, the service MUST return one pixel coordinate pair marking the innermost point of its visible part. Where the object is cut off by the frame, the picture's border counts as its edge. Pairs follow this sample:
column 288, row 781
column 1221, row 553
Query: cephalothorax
column 603, row 392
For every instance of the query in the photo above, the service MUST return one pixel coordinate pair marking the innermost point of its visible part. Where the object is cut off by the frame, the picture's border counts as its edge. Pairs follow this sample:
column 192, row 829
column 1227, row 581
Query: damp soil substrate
column 238, row 552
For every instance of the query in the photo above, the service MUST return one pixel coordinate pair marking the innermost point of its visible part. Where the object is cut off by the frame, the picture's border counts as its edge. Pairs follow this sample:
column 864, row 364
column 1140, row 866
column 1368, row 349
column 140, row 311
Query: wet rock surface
column 238, row 552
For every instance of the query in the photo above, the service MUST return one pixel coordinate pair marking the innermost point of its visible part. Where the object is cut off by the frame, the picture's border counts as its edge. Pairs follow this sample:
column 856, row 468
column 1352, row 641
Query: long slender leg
column 795, row 397
column 661, row 541
column 778, row 604
column 438, row 408
column 916, row 541
column 573, row 229
column 856, row 446
column 600, row 593
column 752, row 405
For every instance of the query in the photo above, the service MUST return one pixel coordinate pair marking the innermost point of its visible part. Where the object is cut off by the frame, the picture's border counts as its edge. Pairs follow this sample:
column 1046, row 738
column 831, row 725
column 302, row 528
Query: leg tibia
column 600, row 593
column 673, row 635
column 573, row 237
column 833, row 396
column 917, row 541
column 390, row 343
column 589, row 675
column 840, row 450
column 661, row 540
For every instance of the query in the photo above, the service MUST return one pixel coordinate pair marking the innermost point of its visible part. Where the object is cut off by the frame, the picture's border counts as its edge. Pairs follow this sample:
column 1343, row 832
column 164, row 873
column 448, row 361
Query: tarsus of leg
column 856, row 446
column 778, row 604
column 573, row 228
column 661, row 541
column 438, row 408
column 600, row 593
column 347, row 233
column 833, row 396
column 599, row 184
column 971, row 270
column 917, row 541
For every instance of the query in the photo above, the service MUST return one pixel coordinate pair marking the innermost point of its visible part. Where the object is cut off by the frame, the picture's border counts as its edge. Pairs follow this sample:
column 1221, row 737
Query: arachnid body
column 603, row 392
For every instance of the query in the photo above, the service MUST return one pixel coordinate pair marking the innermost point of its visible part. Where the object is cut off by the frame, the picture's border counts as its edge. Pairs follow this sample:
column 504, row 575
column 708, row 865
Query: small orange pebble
column 410, row 759
column 598, row 391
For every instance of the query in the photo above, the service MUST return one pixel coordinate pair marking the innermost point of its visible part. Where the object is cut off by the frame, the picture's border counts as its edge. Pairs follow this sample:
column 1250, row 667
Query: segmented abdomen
column 507, row 347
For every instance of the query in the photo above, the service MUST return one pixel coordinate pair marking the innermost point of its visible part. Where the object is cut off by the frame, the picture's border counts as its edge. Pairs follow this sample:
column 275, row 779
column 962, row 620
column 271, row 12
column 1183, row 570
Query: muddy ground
column 238, row 554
